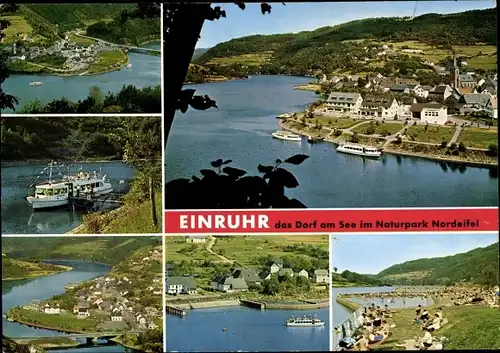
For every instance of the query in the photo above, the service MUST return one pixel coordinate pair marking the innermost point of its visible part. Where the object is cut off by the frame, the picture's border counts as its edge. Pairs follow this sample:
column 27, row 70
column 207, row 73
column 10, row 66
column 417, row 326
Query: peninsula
column 14, row 269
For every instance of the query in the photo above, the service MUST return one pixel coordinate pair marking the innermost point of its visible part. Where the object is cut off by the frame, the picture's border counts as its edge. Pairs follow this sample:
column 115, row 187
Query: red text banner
column 331, row 220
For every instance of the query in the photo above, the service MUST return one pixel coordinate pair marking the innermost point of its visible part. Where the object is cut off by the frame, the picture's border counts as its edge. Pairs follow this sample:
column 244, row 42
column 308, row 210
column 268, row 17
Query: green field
column 254, row 59
column 486, row 62
column 80, row 40
column 433, row 134
column 335, row 123
column 478, row 138
column 62, row 321
column 387, row 127
column 18, row 29
column 13, row 269
column 469, row 327
column 108, row 60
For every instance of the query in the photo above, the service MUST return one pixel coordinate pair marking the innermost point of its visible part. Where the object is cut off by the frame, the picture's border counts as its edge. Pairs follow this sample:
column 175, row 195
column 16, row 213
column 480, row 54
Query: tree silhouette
column 224, row 187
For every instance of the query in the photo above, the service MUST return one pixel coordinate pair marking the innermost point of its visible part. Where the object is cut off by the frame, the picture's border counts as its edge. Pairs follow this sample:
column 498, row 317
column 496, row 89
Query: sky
column 370, row 254
column 296, row 17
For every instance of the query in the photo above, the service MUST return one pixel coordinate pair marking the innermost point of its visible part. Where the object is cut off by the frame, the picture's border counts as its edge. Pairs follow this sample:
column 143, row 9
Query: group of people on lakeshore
column 371, row 326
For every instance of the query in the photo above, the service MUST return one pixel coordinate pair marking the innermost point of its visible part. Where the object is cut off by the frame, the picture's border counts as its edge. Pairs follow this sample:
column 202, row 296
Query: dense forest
column 129, row 99
column 477, row 266
column 67, row 138
column 9, row 346
column 323, row 49
column 108, row 250
column 130, row 26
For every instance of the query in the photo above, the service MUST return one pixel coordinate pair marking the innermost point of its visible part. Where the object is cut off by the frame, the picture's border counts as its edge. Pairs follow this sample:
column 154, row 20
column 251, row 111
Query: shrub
column 461, row 147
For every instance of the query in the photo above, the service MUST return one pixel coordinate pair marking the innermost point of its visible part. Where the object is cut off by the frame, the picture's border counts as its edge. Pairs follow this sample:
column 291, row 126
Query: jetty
column 174, row 310
column 252, row 304
column 89, row 200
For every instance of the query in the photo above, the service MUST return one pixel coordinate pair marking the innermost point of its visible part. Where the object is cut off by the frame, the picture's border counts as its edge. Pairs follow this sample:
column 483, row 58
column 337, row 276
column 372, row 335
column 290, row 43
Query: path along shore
column 301, row 305
column 388, row 146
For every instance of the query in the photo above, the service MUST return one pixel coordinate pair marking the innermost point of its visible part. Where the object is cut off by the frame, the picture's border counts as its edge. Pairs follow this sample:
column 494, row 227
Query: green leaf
column 265, row 168
column 234, row 172
column 285, row 178
column 217, row 163
column 297, row 159
column 240, row 5
column 227, row 162
column 208, row 173
column 265, row 7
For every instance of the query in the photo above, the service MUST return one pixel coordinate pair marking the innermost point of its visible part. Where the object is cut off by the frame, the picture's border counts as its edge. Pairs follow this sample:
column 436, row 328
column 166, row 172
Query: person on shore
column 435, row 324
column 439, row 312
column 417, row 314
column 426, row 341
column 425, row 316
column 363, row 344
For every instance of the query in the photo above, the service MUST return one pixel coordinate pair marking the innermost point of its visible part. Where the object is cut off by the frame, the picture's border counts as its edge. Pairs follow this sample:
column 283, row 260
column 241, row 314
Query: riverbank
column 50, row 343
column 308, row 87
column 291, row 304
column 39, row 274
column 427, row 151
column 47, row 161
column 123, row 341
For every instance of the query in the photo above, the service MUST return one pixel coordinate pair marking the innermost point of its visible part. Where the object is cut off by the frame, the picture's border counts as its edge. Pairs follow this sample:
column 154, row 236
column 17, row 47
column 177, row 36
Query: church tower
column 456, row 83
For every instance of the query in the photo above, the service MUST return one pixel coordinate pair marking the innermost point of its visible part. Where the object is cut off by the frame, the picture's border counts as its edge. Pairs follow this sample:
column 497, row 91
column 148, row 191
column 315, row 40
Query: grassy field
column 433, row 134
column 390, row 127
column 108, row 60
column 487, row 62
column 29, row 269
column 254, row 59
column 80, row 40
column 245, row 249
column 478, row 138
column 18, row 28
column 469, row 327
column 127, row 219
column 335, row 123
column 63, row 320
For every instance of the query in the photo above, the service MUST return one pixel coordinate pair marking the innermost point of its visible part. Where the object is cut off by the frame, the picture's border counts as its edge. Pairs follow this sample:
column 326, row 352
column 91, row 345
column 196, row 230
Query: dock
column 173, row 310
column 88, row 200
column 252, row 304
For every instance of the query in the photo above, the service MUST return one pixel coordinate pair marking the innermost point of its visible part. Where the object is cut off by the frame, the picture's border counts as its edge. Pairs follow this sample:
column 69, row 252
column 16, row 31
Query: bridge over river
column 88, row 335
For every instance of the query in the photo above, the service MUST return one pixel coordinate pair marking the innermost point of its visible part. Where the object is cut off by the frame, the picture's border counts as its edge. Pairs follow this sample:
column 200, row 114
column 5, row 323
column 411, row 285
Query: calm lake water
column 145, row 72
column 247, row 330
column 241, row 129
column 18, row 216
column 22, row 292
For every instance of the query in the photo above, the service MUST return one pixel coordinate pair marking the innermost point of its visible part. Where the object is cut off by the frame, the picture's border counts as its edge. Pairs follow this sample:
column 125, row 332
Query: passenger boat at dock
column 359, row 150
column 59, row 193
column 305, row 321
column 36, row 83
column 285, row 135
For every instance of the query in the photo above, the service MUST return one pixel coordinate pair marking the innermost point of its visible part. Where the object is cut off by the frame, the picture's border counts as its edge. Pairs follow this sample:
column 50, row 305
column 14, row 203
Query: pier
column 173, row 310
column 87, row 200
column 252, row 304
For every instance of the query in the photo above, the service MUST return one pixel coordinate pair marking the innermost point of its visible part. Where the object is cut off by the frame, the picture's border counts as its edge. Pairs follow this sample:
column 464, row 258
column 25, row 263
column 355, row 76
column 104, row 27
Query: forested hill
column 476, row 266
column 326, row 47
column 108, row 250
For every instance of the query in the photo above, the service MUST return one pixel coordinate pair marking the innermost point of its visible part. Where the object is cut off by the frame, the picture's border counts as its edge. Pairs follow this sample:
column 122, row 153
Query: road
column 76, row 335
column 76, row 33
column 209, row 246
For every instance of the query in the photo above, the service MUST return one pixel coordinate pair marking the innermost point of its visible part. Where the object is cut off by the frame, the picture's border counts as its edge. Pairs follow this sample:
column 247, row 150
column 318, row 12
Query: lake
column 247, row 330
column 18, row 216
column 241, row 129
column 145, row 72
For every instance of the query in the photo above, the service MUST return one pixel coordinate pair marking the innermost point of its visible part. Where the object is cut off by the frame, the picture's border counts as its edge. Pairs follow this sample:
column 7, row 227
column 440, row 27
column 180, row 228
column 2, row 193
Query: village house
column 196, row 239
column 321, row 276
column 303, row 273
column 248, row 275
column 276, row 265
column 83, row 313
column 229, row 284
column 140, row 319
column 467, row 80
column 474, row 102
column 343, row 102
column 400, row 88
column 440, row 92
column 419, row 91
column 382, row 107
column 285, row 272
column 404, row 111
column 169, row 268
column 431, row 113
column 181, row 285
column 494, row 107
column 52, row 310
column 118, row 317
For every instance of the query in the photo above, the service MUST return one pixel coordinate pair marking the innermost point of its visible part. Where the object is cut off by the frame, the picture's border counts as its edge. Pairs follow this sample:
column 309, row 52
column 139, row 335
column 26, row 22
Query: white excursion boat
column 305, row 321
column 129, row 65
column 285, row 135
column 36, row 83
column 53, row 194
column 359, row 150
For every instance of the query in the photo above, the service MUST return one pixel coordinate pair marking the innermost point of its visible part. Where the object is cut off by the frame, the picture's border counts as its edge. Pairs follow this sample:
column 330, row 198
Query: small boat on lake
column 129, row 65
column 36, row 83
column 285, row 135
column 284, row 116
column 315, row 139
column 305, row 321
column 359, row 150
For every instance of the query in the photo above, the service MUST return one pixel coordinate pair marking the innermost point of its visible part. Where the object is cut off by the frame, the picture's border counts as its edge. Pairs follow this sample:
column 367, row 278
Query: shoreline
column 15, row 163
column 305, row 305
column 389, row 150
